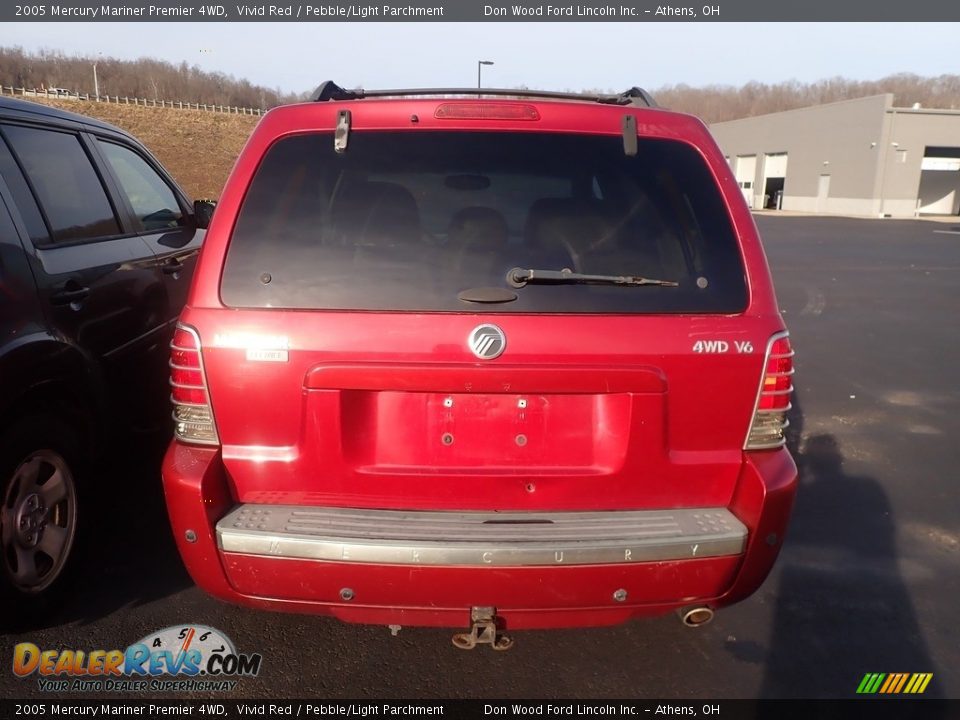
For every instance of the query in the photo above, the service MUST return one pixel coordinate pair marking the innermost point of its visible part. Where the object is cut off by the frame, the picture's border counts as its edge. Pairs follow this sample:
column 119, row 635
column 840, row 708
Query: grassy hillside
column 197, row 147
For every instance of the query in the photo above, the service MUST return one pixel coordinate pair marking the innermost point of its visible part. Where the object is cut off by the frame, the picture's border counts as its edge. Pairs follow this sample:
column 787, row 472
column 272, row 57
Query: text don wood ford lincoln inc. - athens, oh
column 597, row 11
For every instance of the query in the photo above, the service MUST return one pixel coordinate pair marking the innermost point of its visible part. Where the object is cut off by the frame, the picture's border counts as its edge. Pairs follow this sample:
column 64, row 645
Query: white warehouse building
column 857, row 157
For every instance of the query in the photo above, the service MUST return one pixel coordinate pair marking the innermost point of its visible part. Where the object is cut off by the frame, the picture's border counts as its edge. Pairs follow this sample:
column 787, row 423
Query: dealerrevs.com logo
column 183, row 658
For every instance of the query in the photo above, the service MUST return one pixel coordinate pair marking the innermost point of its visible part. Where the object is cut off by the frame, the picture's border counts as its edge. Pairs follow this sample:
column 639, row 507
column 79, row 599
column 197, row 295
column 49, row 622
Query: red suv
column 500, row 360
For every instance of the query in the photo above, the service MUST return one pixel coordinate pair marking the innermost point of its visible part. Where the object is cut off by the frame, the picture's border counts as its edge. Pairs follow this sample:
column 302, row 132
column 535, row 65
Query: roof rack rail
column 329, row 90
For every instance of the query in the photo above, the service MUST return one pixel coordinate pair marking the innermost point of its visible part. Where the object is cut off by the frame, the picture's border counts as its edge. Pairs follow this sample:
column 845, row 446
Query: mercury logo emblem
column 487, row 342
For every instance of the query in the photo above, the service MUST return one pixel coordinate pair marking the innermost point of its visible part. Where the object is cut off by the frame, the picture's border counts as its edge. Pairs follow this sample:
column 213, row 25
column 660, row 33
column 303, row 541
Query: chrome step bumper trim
column 505, row 539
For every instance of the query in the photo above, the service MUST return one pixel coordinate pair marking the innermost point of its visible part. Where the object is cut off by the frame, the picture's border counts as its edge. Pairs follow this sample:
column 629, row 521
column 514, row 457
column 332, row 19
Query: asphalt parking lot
column 868, row 580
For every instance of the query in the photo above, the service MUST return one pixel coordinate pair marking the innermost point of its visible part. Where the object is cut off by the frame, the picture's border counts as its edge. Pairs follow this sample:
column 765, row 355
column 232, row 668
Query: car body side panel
column 121, row 316
column 42, row 363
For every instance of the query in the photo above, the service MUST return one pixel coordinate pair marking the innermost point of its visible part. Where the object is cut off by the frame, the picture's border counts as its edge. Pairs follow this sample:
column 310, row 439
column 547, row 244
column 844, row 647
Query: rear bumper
column 479, row 539
column 286, row 559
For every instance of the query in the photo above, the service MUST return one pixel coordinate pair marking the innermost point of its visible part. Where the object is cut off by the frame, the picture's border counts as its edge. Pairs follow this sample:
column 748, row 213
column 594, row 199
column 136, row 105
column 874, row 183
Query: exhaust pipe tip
column 696, row 616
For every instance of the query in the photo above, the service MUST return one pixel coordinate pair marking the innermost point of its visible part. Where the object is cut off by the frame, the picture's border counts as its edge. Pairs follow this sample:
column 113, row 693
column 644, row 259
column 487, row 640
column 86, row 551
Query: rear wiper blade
column 518, row 277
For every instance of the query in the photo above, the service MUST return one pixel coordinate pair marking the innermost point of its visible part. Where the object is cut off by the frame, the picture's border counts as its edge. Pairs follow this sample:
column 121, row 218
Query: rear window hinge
column 342, row 134
column 629, row 129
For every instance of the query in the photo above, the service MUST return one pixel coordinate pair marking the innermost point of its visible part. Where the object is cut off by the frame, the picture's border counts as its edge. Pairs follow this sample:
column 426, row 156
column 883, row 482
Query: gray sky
column 297, row 56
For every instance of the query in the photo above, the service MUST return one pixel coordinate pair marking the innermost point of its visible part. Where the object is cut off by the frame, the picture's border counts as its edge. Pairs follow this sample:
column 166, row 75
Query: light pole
column 96, row 85
column 480, row 64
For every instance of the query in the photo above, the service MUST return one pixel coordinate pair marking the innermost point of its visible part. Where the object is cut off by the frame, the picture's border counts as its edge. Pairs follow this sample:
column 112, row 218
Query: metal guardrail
column 124, row 100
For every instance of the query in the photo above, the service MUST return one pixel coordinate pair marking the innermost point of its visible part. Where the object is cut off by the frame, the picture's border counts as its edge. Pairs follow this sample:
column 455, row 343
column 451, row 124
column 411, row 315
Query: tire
column 40, row 463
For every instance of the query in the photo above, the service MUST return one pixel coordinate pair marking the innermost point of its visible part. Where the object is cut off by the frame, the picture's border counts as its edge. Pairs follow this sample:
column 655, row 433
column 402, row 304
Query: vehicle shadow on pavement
column 842, row 605
column 129, row 557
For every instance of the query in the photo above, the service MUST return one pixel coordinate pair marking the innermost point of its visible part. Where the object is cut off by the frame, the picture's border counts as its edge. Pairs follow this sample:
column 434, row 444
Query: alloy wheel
column 38, row 520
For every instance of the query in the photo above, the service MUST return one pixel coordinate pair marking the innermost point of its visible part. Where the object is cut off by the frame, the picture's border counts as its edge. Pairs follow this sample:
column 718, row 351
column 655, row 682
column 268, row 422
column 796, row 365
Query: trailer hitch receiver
column 483, row 631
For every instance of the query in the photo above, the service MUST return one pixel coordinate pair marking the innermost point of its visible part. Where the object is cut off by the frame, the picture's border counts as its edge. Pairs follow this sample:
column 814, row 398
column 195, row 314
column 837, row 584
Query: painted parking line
column 948, row 232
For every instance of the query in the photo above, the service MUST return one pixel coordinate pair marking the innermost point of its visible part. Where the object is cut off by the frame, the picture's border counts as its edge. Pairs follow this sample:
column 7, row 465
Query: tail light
column 773, row 399
column 192, row 413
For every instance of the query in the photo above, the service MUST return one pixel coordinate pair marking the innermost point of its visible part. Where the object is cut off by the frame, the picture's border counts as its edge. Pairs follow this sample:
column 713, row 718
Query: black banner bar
column 484, row 11
column 873, row 708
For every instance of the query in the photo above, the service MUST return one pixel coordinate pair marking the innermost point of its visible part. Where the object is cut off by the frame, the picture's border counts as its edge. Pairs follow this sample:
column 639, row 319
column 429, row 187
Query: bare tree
column 144, row 77
column 160, row 80
column 715, row 103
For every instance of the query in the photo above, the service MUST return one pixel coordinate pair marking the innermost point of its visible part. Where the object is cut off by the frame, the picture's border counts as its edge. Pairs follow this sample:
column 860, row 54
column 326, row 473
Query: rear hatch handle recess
column 519, row 277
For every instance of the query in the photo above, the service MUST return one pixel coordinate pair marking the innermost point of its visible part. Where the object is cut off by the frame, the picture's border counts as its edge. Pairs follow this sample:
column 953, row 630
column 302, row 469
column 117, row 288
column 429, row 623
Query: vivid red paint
column 619, row 413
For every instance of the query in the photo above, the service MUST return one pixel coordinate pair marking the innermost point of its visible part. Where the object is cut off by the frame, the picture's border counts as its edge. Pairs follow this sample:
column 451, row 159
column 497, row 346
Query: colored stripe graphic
column 870, row 683
column 890, row 682
column 894, row 683
column 923, row 679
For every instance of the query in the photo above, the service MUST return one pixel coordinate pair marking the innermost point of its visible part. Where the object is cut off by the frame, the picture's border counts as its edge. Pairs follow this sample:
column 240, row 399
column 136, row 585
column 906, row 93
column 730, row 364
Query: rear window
column 411, row 220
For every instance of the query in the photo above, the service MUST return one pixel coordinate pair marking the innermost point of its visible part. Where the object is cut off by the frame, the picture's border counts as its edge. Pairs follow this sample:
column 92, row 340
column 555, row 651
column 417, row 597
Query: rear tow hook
column 483, row 631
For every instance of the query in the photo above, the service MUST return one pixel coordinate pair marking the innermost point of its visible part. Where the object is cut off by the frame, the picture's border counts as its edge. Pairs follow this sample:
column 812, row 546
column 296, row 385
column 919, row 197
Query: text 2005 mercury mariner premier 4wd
column 492, row 361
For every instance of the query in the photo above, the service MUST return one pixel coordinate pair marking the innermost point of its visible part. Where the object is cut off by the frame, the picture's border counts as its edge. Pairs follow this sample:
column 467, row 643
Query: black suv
column 97, row 248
